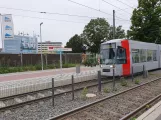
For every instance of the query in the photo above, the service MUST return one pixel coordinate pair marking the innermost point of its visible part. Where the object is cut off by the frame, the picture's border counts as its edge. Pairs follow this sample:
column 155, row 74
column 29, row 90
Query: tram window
column 121, row 55
column 149, row 55
column 142, row 55
column 135, row 55
column 154, row 55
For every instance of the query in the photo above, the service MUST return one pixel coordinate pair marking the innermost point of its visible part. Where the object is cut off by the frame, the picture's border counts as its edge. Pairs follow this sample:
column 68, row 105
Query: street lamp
column 41, row 46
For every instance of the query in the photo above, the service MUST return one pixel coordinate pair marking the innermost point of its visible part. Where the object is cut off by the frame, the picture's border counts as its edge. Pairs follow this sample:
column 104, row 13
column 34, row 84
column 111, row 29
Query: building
column 46, row 46
column 18, row 44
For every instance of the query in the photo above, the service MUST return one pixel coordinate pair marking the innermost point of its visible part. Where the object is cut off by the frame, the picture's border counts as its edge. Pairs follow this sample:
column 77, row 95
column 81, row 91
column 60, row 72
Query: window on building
column 135, row 55
column 149, row 55
column 143, row 55
column 154, row 55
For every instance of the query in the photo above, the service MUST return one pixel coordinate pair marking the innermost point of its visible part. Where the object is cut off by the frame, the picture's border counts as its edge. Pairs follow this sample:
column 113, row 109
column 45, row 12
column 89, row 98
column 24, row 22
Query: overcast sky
column 62, row 31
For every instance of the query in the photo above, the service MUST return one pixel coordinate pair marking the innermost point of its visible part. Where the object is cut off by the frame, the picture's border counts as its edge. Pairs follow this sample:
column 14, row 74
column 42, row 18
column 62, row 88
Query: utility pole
column 114, row 59
column 113, row 24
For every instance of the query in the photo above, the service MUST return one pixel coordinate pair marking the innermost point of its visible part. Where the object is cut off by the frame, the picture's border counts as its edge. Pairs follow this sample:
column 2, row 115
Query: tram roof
column 113, row 41
column 133, row 41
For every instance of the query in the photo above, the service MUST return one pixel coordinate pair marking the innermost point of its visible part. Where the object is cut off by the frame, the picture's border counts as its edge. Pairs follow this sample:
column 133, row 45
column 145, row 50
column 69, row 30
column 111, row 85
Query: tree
column 146, row 21
column 119, row 33
column 95, row 32
column 75, row 43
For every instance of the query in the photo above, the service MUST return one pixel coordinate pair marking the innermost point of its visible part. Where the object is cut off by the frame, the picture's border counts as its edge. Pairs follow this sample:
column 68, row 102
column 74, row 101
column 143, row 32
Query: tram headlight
column 111, row 66
column 101, row 66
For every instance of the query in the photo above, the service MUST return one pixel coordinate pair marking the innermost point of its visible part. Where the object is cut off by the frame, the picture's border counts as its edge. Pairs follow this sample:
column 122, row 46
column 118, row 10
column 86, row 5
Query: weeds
column 84, row 92
column 123, row 82
column 137, row 82
column 147, row 107
column 133, row 118
column 105, row 90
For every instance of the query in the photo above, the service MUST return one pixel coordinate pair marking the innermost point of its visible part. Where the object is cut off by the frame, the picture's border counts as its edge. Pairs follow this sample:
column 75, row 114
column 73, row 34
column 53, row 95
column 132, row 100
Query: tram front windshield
column 112, row 55
column 108, row 56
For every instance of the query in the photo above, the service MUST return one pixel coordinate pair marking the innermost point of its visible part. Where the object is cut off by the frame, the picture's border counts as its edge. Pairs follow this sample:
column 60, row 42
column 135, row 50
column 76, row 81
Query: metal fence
column 33, row 59
column 34, row 84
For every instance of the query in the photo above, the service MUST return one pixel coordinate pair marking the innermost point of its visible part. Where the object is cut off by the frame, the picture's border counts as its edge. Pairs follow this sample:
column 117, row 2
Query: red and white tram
column 123, row 54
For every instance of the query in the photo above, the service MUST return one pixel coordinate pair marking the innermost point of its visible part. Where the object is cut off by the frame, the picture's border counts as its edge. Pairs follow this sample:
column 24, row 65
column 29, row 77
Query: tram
column 124, row 56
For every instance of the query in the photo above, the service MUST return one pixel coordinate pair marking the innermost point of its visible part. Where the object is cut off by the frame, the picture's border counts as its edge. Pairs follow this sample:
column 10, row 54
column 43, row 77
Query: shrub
column 52, row 66
column 38, row 67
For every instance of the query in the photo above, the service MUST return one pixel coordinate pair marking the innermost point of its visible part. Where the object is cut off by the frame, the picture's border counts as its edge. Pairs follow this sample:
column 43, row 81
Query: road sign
column 58, row 49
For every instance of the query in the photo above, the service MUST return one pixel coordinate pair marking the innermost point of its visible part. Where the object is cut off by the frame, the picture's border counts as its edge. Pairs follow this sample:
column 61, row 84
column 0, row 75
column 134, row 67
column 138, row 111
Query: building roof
column 48, row 42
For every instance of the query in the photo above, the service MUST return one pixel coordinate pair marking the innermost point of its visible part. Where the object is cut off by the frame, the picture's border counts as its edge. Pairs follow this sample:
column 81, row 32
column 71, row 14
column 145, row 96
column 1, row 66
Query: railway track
column 16, row 101
column 123, row 105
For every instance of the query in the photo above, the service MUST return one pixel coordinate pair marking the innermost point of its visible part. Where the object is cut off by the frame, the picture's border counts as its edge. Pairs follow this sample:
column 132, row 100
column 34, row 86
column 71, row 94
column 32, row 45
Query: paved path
column 26, row 75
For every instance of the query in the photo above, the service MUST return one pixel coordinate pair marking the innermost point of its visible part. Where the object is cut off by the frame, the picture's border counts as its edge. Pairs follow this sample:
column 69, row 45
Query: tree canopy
column 75, row 43
column 146, row 21
column 94, row 33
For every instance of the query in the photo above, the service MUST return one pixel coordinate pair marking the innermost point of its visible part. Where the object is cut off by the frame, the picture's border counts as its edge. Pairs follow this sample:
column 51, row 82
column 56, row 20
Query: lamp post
column 41, row 47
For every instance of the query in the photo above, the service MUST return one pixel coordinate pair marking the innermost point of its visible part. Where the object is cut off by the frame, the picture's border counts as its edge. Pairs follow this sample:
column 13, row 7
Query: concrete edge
column 149, row 112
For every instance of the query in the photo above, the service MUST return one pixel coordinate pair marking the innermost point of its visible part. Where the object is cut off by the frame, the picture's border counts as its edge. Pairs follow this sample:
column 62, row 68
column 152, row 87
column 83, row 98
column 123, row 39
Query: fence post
column 143, row 71
column 113, row 78
column 53, row 91
column 72, row 87
column 132, row 73
column 99, row 81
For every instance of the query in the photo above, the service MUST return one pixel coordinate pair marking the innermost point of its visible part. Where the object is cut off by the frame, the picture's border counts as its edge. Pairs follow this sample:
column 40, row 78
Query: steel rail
column 42, row 90
column 133, row 113
column 77, row 110
column 43, row 98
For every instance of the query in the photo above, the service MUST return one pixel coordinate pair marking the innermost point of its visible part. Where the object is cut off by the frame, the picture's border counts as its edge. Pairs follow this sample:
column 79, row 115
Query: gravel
column 44, row 110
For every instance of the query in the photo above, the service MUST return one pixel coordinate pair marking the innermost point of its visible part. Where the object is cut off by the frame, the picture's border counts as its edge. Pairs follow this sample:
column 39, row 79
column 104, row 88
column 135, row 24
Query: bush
column 51, row 66
column 38, row 67
column 6, row 69
column 67, row 65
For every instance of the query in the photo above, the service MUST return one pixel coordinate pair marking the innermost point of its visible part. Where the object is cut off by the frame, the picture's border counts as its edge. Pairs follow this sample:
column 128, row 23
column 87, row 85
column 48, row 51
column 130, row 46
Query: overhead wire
column 25, row 10
column 96, row 9
column 116, row 7
column 48, row 19
column 62, row 14
column 125, row 4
